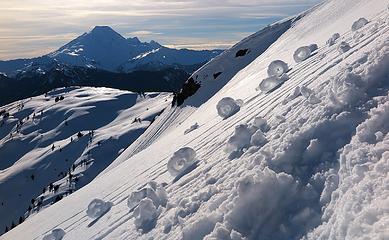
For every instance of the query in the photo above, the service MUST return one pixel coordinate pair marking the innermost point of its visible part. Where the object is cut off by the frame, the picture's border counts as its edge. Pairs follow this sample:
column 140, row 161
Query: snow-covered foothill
column 63, row 145
column 332, row 40
column 97, row 208
column 360, row 23
column 277, row 68
column 227, row 107
column 56, row 234
column 302, row 53
column 181, row 160
column 343, row 47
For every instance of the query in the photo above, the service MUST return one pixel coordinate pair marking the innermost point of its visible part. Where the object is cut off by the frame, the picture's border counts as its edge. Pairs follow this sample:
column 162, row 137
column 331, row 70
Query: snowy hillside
column 105, row 49
column 296, row 152
column 65, row 142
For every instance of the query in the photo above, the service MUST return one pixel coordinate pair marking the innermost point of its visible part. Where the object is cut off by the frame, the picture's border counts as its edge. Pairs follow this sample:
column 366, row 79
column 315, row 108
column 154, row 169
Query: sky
column 30, row 28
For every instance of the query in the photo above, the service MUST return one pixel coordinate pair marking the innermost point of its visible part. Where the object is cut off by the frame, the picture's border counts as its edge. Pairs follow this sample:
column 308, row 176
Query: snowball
column 56, row 234
column 343, row 47
column 261, row 124
column 145, row 215
column 240, row 139
column 332, row 39
column 153, row 191
column 97, row 208
column 277, row 68
column 270, row 83
column 258, row 139
column 181, row 160
column 359, row 24
column 192, row 128
column 227, row 107
column 302, row 54
column 313, row 47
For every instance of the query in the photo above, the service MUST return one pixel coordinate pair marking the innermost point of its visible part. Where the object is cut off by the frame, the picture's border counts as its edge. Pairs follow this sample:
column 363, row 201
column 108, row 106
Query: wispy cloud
column 38, row 26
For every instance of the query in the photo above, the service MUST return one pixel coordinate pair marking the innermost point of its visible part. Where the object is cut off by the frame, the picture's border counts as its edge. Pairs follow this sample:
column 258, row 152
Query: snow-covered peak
column 104, row 48
column 104, row 31
column 155, row 44
column 134, row 41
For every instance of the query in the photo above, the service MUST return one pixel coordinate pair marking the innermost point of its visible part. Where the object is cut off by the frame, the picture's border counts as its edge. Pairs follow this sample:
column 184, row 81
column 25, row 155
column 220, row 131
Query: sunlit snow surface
column 320, row 174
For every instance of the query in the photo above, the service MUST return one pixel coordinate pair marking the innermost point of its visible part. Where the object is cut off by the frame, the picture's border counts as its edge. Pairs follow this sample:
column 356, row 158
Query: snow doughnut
column 181, row 160
column 343, row 47
column 227, row 107
column 301, row 54
column 271, row 83
column 277, row 68
column 360, row 23
column 97, row 208
column 56, row 234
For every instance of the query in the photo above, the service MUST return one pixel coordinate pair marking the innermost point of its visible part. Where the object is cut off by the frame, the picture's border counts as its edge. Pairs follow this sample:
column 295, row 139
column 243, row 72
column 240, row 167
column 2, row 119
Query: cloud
column 144, row 33
column 199, row 22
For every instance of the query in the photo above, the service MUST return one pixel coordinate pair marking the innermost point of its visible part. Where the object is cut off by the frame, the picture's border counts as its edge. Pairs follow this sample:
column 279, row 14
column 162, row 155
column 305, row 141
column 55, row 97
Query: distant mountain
column 103, row 48
column 101, row 57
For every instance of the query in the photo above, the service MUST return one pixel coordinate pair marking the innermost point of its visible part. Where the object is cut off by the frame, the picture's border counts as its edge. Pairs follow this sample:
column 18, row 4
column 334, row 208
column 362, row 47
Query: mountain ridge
column 104, row 48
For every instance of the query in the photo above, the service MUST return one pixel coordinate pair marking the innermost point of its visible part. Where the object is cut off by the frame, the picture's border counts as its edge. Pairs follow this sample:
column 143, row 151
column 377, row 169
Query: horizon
column 30, row 28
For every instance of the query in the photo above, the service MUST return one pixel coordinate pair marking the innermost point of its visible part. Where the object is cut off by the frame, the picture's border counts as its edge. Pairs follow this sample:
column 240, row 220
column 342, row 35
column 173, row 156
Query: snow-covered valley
column 305, row 156
column 54, row 144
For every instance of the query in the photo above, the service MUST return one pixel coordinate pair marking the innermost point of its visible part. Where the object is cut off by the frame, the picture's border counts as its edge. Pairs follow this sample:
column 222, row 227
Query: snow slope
column 29, row 162
column 322, row 172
